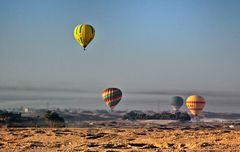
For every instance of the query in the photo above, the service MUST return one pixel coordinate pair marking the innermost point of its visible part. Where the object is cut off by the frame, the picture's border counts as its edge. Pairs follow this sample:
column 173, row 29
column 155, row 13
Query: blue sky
column 139, row 44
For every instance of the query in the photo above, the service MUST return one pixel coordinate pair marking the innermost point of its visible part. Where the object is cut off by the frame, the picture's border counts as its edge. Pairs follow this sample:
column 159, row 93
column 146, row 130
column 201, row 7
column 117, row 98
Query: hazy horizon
column 50, row 97
column 143, row 47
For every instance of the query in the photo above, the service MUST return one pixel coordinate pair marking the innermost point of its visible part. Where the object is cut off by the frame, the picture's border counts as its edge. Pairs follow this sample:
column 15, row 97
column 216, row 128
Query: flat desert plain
column 169, row 137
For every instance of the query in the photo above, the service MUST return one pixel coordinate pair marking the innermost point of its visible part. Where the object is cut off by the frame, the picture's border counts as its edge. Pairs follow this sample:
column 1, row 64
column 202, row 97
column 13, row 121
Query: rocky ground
column 119, row 138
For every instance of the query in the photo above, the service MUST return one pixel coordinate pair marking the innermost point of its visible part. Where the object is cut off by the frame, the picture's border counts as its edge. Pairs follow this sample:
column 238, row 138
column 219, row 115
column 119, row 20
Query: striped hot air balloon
column 195, row 104
column 112, row 97
column 84, row 34
column 176, row 103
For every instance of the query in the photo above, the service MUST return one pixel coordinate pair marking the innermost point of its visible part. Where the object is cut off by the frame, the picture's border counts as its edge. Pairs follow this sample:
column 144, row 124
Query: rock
column 205, row 144
column 1, row 144
column 49, row 134
column 120, row 130
column 226, row 131
column 140, row 133
column 131, row 139
column 92, row 145
column 11, row 129
column 186, row 128
column 36, row 144
column 61, row 132
column 24, row 136
column 218, row 139
column 12, row 133
column 150, row 130
column 95, row 136
column 151, row 146
column 57, row 145
column 11, row 142
column 40, row 132
column 170, row 144
column 115, row 146
column 112, row 151
column 89, row 150
column 120, row 146
column 137, row 144
column 108, row 145
column 66, row 130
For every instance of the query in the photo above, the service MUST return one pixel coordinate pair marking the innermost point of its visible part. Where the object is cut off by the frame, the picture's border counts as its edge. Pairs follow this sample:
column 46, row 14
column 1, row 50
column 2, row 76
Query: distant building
column 26, row 110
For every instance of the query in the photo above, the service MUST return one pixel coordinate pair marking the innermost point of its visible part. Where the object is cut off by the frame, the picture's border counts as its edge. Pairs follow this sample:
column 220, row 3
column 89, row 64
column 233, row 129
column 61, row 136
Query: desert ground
column 125, row 137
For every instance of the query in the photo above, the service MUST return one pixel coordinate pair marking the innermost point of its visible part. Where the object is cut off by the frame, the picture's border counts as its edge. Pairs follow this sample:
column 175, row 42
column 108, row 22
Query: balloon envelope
column 112, row 97
column 176, row 102
column 84, row 34
column 195, row 104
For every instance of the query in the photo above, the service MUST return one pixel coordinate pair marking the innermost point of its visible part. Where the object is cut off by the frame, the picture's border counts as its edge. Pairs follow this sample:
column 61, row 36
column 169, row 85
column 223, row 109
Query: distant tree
column 54, row 120
column 4, row 116
column 10, row 117
column 35, row 120
column 184, row 116
column 48, row 117
column 133, row 115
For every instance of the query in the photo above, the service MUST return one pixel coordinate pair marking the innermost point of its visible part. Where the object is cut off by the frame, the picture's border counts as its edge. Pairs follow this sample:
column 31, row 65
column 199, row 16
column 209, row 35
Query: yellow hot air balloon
column 195, row 104
column 84, row 34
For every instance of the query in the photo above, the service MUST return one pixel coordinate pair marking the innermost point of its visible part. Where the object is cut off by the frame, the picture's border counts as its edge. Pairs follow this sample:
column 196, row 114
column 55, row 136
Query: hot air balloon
column 176, row 103
column 84, row 34
column 195, row 104
column 112, row 97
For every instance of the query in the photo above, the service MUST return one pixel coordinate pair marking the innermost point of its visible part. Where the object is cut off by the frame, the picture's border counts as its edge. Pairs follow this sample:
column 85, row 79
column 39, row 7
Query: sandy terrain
column 172, row 137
